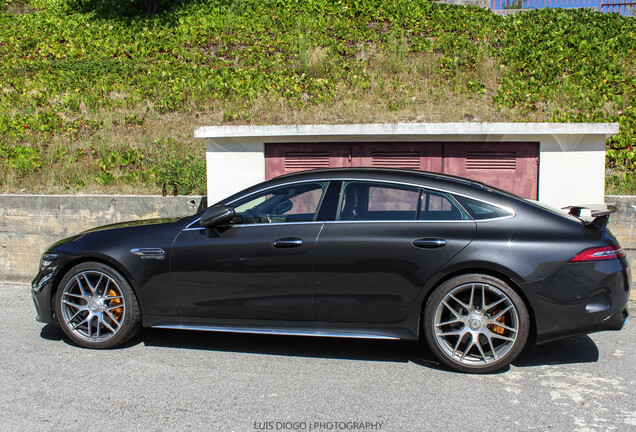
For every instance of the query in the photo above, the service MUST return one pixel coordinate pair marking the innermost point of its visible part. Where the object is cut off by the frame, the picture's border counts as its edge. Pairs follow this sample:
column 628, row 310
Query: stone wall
column 623, row 226
column 623, row 222
column 30, row 223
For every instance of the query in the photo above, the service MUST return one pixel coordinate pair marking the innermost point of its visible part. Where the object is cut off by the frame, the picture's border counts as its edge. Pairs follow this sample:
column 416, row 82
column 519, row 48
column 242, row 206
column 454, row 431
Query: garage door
column 288, row 158
column 510, row 166
column 513, row 167
column 418, row 156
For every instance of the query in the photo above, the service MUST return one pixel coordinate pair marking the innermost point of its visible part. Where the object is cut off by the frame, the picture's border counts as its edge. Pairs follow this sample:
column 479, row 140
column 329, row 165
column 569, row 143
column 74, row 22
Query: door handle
column 429, row 243
column 287, row 242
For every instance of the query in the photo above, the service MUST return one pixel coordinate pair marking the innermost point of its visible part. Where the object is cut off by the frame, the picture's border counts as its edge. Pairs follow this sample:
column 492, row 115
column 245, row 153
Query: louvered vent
column 487, row 160
column 406, row 160
column 306, row 161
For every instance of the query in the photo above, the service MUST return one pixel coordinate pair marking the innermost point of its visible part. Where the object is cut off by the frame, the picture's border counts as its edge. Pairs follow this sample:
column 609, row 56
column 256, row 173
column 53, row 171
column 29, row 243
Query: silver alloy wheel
column 93, row 306
column 476, row 324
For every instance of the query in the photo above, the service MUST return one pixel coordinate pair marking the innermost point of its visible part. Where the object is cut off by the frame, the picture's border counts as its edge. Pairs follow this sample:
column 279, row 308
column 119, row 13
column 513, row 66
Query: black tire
column 467, row 338
column 96, row 307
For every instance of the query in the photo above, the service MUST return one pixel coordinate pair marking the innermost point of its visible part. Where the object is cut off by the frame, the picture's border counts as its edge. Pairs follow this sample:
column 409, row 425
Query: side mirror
column 217, row 215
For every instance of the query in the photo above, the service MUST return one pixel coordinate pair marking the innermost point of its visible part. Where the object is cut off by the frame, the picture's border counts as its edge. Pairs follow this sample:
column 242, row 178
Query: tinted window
column 438, row 206
column 480, row 210
column 292, row 203
column 377, row 201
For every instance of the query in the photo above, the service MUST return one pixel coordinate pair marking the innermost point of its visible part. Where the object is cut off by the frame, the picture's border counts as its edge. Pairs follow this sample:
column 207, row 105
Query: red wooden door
column 285, row 158
column 510, row 166
column 417, row 156
column 513, row 167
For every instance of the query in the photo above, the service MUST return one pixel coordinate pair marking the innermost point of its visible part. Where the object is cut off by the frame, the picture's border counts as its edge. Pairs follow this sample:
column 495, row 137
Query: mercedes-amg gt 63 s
column 359, row 253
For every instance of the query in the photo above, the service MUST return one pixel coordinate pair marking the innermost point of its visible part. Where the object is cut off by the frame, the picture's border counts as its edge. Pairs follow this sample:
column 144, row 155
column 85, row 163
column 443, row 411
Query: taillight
column 599, row 254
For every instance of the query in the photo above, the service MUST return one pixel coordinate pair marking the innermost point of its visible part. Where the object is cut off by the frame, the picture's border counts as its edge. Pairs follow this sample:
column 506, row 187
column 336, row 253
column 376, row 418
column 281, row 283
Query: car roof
column 376, row 173
column 425, row 179
column 419, row 178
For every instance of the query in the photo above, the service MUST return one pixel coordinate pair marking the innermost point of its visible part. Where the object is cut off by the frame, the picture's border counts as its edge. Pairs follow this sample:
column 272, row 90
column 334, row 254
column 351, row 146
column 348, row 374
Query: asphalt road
column 172, row 380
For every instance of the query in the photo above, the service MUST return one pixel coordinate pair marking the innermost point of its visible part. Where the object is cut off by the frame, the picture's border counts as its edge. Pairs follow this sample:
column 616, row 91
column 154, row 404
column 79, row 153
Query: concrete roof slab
column 406, row 129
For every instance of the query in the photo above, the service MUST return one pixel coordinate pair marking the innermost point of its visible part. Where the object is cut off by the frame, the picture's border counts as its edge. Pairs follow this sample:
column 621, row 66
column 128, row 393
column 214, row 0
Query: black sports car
column 359, row 253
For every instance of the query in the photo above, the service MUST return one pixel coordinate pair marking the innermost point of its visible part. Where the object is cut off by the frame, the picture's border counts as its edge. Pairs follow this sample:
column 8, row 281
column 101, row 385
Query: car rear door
column 386, row 242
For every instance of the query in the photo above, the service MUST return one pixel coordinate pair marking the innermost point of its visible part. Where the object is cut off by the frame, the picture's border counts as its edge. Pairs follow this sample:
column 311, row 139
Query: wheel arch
column 101, row 259
column 487, row 270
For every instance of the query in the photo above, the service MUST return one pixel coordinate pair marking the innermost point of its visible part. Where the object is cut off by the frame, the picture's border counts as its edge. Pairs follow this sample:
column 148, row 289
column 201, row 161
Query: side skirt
column 360, row 334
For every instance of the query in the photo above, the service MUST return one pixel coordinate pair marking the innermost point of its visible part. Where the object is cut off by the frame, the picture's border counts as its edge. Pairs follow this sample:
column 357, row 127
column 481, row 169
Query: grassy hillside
column 97, row 96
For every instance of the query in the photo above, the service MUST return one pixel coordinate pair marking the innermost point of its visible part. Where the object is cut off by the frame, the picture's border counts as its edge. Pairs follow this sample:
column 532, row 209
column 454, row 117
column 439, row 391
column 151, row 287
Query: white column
column 233, row 165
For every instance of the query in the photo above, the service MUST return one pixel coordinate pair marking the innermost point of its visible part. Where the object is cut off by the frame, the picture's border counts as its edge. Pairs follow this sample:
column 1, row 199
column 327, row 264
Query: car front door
column 386, row 242
column 259, row 268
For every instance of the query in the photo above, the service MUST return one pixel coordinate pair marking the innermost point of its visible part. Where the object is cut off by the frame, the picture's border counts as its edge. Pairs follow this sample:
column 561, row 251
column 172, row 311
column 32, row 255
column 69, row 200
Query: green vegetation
column 95, row 95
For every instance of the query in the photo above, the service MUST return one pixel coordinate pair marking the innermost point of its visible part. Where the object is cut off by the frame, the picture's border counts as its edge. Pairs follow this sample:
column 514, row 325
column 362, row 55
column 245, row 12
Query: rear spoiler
column 597, row 215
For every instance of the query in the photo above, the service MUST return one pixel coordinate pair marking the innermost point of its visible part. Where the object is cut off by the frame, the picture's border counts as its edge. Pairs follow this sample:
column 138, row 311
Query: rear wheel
column 476, row 323
column 96, row 307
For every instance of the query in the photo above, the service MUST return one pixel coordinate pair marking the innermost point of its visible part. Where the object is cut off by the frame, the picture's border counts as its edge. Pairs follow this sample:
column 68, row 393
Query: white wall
column 572, row 170
column 233, row 166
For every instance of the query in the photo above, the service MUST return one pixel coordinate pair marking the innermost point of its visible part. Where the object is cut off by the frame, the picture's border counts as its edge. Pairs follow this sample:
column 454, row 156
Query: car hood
column 132, row 224
column 88, row 233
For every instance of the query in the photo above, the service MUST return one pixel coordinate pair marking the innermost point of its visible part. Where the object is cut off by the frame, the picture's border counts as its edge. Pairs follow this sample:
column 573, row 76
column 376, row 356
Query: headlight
column 47, row 259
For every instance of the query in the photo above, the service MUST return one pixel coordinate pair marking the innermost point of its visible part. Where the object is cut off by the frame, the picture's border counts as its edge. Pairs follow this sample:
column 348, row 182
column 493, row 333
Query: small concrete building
column 557, row 163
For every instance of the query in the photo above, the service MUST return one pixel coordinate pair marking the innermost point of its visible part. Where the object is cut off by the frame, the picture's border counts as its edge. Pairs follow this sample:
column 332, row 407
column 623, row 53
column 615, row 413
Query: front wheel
column 476, row 323
column 96, row 307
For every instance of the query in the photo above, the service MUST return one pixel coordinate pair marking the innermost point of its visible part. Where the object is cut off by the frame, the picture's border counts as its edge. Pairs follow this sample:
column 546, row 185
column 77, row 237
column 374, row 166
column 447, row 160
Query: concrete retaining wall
column 30, row 223
column 623, row 226
column 623, row 222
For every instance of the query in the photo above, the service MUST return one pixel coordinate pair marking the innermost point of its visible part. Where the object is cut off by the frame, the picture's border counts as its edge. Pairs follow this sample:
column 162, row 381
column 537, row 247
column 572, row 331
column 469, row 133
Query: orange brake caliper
column 117, row 313
column 497, row 329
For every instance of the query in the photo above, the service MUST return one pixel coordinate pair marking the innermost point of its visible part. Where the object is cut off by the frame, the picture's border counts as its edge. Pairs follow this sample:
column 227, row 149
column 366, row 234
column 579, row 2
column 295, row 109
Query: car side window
column 369, row 201
column 292, row 203
column 480, row 210
column 439, row 207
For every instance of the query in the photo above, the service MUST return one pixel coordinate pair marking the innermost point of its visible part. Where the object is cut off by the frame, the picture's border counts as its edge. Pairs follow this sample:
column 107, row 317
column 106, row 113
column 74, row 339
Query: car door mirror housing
column 217, row 215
